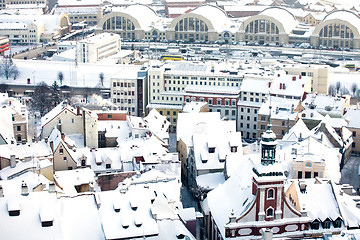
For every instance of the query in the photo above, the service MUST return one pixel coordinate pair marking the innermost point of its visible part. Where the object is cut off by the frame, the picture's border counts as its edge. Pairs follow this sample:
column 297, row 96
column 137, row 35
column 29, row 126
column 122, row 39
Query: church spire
column 268, row 144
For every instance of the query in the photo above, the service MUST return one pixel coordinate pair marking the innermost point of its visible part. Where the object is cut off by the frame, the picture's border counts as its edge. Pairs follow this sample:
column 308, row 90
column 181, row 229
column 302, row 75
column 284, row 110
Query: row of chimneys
column 25, row 189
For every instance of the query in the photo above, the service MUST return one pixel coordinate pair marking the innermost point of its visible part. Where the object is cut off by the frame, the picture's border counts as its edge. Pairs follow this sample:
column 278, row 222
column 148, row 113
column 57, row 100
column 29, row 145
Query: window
column 72, row 120
column 242, row 109
column 61, row 151
column 210, row 101
column 233, row 112
column 108, row 165
column 211, row 149
column 248, row 110
column 299, row 174
column 270, row 194
column 234, row 149
column 315, row 225
column 109, row 116
column 326, row 224
column 219, row 102
column 316, row 174
column 354, row 134
column 263, row 118
column 270, row 212
column 65, row 159
column 262, row 127
column 307, row 174
column 19, row 138
column 337, row 223
column 226, row 112
column 18, row 128
column 227, row 102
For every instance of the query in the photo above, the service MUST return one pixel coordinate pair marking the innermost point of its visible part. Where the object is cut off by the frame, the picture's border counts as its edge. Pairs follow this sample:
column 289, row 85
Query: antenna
column 270, row 107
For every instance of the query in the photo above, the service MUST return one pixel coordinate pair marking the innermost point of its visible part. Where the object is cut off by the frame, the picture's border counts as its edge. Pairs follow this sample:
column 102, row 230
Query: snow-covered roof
column 6, row 126
column 190, row 123
column 299, row 130
column 211, row 180
column 193, row 106
column 286, row 18
column 255, row 85
column 345, row 15
column 324, row 127
column 39, row 150
column 144, row 14
column 217, row 138
column 352, row 116
column 234, row 195
column 157, row 124
column 289, row 85
column 319, row 201
column 224, row 90
column 139, row 205
column 114, row 128
column 209, row 11
column 324, row 104
column 67, row 180
column 50, row 22
column 55, row 112
column 281, row 109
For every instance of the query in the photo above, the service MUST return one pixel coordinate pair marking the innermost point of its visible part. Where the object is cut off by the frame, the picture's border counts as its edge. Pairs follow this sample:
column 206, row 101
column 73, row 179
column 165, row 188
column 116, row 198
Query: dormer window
column 211, row 149
column 234, row 149
column 13, row 207
column 133, row 205
column 61, row 151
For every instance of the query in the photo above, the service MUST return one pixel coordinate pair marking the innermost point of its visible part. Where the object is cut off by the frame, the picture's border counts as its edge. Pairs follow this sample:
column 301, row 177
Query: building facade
column 95, row 48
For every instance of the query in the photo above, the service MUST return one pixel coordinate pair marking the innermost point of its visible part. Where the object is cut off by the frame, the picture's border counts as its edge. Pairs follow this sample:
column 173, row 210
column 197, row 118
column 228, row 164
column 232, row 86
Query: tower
column 268, row 146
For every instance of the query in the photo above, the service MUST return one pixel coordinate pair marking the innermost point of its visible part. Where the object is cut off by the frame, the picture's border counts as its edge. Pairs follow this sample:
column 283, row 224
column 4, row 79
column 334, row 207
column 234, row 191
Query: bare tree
column 338, row 87
column 101, row 77
column 332, row 90
column 354, row 88
column 8, row 69
column 60, row 77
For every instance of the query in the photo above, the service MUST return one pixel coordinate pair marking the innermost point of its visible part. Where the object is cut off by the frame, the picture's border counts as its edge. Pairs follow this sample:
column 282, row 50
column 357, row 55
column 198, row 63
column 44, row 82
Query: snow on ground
column 83, row 75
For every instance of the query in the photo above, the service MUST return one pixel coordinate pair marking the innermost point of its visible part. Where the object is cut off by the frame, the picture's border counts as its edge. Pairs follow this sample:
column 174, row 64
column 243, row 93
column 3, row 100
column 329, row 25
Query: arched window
column 270, row 212
column 270, row 193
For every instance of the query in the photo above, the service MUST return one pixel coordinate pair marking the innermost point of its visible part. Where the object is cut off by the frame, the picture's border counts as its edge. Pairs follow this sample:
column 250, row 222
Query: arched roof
column 214, row 17
column 345, row 15
column 286, row 18
column 214, row 14
column 142, row 16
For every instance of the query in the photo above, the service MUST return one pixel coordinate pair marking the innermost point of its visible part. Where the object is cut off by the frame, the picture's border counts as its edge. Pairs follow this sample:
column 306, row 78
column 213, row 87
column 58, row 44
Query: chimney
column 232, row 217
column 78, row 110
column 63, row 136
column 280, row 85
column 12, row 161
column 52, row 187
column 269, row 84
column 302, row 186
column 294, row 78
column 267, row 233
column 278, row 74
column 299, row 76
column 24, row 189
column 303, row 211
column 1, row 192
column 46, row 140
